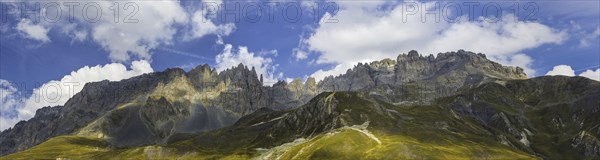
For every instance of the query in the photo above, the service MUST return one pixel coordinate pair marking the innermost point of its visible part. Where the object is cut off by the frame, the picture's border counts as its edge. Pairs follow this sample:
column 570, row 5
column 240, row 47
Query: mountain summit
column 411, row 107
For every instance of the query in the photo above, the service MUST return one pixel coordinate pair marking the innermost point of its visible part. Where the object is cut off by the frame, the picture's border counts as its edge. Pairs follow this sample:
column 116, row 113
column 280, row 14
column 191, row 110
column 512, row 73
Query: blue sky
column 543, row 37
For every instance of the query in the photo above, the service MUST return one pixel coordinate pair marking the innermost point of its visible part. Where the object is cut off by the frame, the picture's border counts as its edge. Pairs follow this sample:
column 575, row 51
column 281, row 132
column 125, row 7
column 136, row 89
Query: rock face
column 552, row 117
column 93, row 101
column 151, row 108
column 413, row 77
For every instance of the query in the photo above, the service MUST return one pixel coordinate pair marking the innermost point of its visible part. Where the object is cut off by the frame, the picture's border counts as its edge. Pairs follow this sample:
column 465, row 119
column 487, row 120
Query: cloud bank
column 132, row 33
column 566, row 70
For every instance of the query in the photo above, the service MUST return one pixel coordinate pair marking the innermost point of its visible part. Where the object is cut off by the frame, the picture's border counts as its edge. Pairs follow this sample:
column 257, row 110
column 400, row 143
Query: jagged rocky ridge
column 413, row 77
column 160, row 107
column 125, row 112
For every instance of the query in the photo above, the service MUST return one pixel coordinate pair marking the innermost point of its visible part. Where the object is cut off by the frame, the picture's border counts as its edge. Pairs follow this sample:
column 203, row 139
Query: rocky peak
column 174, row 72
column 240, row 74
column 383, row 63
column 411, row 56
column 280, row 83
column 201, row 70
column 310, row 85
column 201, row 75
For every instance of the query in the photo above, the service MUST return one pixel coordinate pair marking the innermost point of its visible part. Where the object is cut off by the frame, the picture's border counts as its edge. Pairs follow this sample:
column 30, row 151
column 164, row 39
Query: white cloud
column 76, row 34
column 300, row 55
column 6, row 122
column 564, row 70
column 9, row 100
column 520, row 59
column 586, row 41
column 33, row 31
column 263, row 65
column 79, row 35
column 504, row 38
column 57, row 92
column 140, row 26
column 203, row 25
column 336, row 70
column 219, row 40
column 595, row 75
column 366, row 33
column 272, row 52
column 154, row 26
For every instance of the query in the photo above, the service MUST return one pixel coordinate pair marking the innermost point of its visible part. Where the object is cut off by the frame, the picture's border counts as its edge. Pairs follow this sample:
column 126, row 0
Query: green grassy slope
column 343, row 143
column 375, row 130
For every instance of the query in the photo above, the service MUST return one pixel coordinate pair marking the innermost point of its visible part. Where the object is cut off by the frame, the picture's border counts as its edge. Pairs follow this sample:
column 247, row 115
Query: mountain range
column 452, row 105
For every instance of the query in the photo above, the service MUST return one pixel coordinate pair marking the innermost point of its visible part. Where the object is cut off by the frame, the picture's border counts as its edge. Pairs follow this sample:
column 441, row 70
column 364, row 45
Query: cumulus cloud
column 566, row 70
column 57, row 92
column 231, row 57
column 366, row 33
column 595, row 75
column 153, row 25
column 33, row 31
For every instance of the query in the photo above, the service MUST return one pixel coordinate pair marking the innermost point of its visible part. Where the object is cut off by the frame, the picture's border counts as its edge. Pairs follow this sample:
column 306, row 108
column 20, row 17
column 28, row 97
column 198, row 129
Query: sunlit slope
column 64, row 147
column 352, row 143
column 352, row 125
column 343, row 143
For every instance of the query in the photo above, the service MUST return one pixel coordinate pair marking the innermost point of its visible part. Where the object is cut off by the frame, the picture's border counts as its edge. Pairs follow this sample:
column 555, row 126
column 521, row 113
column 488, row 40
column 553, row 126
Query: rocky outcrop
column 553, row 116
column 587, row 145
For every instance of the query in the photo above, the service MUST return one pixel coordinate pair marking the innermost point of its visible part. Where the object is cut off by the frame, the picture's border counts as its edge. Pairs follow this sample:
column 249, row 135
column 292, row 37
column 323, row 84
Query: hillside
column 453, row 105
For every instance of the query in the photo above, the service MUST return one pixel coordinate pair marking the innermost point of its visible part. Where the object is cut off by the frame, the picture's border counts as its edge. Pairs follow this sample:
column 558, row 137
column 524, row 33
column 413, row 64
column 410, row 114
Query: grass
column 72, row 147
column 347, row 143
